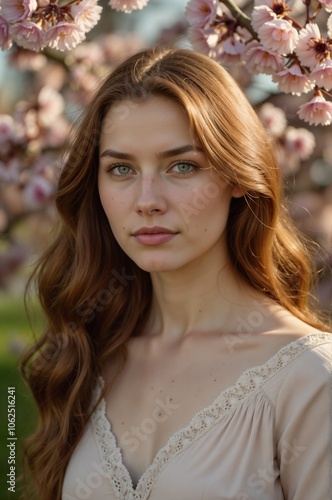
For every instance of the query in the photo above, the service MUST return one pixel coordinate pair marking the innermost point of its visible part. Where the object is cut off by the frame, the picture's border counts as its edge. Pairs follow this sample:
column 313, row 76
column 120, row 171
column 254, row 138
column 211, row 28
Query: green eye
column 119, row 170
column 123, row 169
column 184, row 168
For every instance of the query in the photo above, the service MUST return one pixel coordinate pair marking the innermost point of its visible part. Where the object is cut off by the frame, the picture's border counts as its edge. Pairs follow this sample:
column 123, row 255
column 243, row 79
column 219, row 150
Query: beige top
column 266, row 438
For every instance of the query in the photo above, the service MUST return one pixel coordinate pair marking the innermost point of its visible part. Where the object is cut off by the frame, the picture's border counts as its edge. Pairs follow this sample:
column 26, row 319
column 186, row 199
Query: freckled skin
column 156, row 192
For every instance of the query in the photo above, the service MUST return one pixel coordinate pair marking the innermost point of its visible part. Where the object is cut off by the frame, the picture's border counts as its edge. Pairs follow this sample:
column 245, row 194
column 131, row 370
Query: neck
column 201, row 297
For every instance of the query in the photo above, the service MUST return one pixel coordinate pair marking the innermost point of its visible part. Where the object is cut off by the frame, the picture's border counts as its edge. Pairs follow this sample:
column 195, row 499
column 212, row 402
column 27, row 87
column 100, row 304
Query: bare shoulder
column 278, row 320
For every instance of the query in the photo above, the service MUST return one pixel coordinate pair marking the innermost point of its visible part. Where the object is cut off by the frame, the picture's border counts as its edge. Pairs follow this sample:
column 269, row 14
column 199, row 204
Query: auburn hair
column 95, row 297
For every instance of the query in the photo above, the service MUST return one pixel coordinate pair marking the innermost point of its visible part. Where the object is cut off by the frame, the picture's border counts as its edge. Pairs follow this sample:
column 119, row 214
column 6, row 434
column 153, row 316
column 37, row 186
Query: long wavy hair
column 95, row 297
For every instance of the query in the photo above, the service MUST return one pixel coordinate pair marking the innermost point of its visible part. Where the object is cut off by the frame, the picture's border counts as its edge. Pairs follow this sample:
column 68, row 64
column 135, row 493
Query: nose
column 150, row 197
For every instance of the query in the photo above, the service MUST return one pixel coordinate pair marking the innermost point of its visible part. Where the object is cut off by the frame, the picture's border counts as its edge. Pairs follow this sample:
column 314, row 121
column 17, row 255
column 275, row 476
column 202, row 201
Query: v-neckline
column 247, row 384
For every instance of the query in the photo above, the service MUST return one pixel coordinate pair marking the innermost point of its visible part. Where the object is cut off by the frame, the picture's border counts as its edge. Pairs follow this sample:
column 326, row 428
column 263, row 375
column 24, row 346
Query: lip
column 153, row 230
column 153, row 235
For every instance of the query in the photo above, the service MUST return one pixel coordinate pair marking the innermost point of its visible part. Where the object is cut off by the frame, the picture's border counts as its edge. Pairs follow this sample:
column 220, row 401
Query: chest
column 153, row 398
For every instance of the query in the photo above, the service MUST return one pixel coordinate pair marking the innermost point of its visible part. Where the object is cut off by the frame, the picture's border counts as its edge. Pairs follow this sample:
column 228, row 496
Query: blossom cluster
column 28, row 141
column 34, row 134
column 296, row 55
column 35, row 24
column 293, row 145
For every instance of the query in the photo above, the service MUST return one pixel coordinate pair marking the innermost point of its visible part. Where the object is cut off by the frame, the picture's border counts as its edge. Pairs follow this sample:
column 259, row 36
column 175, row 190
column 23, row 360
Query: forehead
column 145, row 119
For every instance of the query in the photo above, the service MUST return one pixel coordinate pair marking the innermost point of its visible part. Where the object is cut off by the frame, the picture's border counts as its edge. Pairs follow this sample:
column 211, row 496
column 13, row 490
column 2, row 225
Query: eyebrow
column 188, row 148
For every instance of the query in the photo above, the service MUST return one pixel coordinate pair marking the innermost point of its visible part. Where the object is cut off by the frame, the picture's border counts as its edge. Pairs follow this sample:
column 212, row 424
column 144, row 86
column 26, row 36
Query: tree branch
column 240, row 16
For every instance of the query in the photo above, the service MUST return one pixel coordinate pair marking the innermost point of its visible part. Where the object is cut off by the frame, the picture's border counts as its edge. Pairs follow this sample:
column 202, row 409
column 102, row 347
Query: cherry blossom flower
column 201, row 13
column 229, row 51
column 327, row 4
column 15, row 11
column 50, row 105
column 329, row 26
column 258, row 59
column 203, row 40
column 10, row 170
column 26, row 59
column 260, row 15
column 292, row 80
column 37, row 192
column 128, row 6
column 311, row 49
column 87, row 54
column 64, row 36
column 281, row 8
column 7, row 128
column 322, row 75
column 86, row 14
column 318, row 111
column 28, row 35
column 279, row 35
column 5, row 41
column 299, row 141
column 56, row 135
column 274, row 119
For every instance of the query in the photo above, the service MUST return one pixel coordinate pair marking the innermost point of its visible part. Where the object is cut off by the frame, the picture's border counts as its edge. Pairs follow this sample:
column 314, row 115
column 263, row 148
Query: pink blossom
column 30, row 126
column 329, row 26
column 56, row 135
column 86, row 14
column 278, row 35
column 258, row 59
column 83, row 79
column 318, row 111
column 327, row 4
column 27, row 59
column 280, row 7
column 43, row 3
column 322, row 75
column 7, row 128
column 299, row 141
column 37, row 192
column 5, row 41
column 64, row 36
column 50, row 105
column 260, row 15
column 203, row 39
column 201, row 13
column 87, row 54
column 127, row 6
column 273, row 118
column 229, row 51
column 312, row 48
column 292, row 80
column 10, row 171
column 27, row 35
column 17, row 10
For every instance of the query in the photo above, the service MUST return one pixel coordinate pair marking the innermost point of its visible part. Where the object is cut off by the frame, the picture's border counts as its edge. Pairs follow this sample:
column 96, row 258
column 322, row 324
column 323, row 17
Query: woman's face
column 166, row 207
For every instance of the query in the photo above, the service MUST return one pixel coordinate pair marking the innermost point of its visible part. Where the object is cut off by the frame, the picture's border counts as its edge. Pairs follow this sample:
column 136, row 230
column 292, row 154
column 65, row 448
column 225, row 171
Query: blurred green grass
column 16, row 333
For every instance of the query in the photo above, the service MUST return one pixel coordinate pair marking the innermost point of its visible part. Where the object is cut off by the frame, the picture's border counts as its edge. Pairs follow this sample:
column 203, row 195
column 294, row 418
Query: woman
column 182, row 359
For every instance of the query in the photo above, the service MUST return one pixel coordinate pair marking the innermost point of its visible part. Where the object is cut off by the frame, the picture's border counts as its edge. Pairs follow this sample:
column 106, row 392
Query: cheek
column 206, row 204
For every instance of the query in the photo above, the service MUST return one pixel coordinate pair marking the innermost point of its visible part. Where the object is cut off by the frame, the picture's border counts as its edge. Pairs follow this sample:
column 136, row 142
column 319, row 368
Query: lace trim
column 247, row 384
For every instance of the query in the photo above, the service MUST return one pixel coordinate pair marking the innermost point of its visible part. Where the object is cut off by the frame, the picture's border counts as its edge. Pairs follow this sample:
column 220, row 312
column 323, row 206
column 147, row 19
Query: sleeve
column 304, row 427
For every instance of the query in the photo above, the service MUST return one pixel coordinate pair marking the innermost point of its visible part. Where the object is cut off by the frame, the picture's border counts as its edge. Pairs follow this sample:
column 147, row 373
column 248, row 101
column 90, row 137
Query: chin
column 157, row 265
